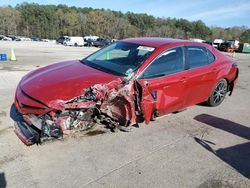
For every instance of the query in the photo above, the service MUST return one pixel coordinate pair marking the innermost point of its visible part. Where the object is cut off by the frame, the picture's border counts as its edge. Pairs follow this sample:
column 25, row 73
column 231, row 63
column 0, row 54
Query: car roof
column 154, row 41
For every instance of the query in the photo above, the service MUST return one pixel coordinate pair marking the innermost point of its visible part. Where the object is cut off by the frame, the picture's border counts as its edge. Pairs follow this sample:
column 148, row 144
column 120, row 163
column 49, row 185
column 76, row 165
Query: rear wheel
column 218, row 94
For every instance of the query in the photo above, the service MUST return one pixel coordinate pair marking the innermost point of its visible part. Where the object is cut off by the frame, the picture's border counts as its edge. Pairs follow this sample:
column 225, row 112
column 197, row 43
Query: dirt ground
column 199, row 147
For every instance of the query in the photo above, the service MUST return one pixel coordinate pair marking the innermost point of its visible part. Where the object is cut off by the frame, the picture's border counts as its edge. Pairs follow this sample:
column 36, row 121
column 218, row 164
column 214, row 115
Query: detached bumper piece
column 27, row 134
column 33, row 130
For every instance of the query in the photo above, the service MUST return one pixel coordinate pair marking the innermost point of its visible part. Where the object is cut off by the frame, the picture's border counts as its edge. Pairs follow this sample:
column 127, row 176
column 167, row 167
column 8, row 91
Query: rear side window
column 211, row 57
column 167, row 63
column 197, row 56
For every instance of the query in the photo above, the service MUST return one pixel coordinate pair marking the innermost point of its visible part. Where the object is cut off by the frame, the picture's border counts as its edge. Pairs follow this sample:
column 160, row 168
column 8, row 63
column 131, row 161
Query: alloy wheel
column 220, row 92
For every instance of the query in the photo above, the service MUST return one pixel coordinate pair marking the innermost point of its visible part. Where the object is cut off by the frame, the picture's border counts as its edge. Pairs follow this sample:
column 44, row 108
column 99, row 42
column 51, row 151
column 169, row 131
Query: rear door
column 202, row 74
column 163, row 84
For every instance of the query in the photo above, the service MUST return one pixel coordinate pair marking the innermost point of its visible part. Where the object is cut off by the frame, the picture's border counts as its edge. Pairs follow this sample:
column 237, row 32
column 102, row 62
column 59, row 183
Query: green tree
column 200, row 30
column 52, row 21
column 186, row 26
column 9, row 20
column 245, row 37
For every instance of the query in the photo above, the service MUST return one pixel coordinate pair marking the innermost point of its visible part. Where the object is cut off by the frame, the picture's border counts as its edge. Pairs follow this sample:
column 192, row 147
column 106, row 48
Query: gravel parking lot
column 199, row 147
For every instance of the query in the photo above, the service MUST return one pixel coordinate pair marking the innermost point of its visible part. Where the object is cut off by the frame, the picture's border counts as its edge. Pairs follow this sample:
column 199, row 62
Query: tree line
column 52, row 21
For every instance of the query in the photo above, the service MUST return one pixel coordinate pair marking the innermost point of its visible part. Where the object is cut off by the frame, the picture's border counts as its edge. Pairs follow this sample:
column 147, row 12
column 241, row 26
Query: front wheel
column 218, row 94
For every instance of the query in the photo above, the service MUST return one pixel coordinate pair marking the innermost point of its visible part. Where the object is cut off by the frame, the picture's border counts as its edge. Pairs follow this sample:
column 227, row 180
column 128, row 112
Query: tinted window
column 211, row 57
column 169, row 62
column 197, row 56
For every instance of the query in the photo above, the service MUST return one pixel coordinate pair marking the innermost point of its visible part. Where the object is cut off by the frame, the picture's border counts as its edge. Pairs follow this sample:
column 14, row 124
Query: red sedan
column 128, row 82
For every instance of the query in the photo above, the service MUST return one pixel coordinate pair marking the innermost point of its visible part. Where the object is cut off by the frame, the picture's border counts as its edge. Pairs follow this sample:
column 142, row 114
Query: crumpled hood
column 62, row 81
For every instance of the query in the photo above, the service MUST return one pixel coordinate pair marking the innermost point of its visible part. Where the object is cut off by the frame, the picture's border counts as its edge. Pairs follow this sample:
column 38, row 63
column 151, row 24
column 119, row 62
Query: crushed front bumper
column 28, row 134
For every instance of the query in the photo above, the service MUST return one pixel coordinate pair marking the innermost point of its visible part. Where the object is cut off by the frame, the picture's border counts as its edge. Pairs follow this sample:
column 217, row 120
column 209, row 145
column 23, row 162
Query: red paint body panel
column 24, row 99
column 153, row 41
column 62, row 81
column 200, row 81
column 170, row 92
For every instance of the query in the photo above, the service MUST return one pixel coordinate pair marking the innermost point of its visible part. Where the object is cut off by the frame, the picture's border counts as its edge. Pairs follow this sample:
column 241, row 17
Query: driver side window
column 167, row 63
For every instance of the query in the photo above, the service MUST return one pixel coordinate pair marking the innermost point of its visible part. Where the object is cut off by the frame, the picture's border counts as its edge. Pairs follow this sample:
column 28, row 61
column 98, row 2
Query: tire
column 218, row 94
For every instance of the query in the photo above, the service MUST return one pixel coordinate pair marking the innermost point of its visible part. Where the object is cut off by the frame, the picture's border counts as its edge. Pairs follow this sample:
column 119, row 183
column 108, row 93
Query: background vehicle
column 93, row 38
column 2, row 37
column 36, row 39
column 229, row 46
column 17, row 38
column 101, row 42
column 226, row 47
column 60, row 40
column 45, row 40
column 217, row 43
column 12, row 37
column 129, row 82
column 89, row 40
column 74, row 41
column 22, row 38
column 207, row 42
column 236, row 44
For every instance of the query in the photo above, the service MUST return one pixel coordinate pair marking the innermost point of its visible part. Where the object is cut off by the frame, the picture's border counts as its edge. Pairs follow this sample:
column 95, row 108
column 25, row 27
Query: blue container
column 3, row 57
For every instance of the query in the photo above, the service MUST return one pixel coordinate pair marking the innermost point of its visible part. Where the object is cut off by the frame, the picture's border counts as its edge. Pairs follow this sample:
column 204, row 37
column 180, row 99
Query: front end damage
column 112, row 105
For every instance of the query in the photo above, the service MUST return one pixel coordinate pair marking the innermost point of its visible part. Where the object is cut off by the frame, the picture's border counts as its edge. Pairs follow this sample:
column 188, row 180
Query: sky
column 223, row 13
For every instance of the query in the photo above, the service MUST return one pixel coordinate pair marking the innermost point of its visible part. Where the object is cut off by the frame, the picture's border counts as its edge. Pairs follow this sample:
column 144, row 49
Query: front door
column 163, row 84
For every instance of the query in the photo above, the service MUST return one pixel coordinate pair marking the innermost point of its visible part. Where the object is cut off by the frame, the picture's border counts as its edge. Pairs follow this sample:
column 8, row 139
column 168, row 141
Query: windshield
column 120, row 58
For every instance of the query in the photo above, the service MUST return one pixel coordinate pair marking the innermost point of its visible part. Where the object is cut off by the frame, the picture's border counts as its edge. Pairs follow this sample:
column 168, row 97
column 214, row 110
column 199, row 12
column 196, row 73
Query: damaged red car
column 126, row 83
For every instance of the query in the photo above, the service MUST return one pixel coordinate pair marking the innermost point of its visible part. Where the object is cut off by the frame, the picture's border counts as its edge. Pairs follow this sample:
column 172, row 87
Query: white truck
column 217, row 43
column 74, row 41
column 92, row 38
column 235, row 43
